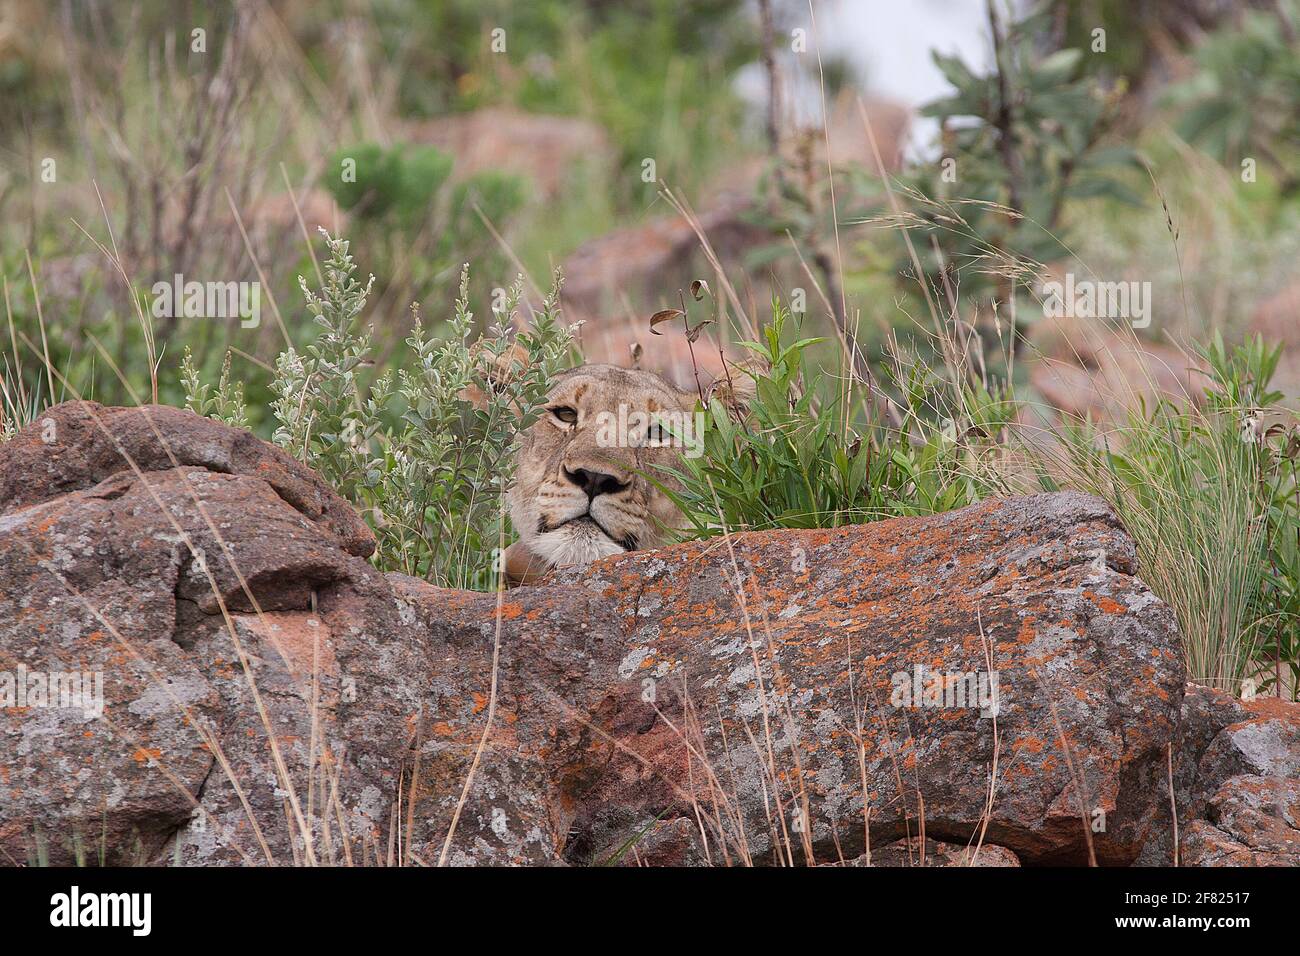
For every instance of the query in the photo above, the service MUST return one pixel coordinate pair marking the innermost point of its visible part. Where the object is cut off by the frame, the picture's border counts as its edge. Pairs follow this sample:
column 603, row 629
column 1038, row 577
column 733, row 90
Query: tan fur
column 561, row 524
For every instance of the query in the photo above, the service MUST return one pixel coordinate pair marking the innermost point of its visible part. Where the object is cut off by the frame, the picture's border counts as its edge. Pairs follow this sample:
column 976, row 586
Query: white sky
column 888, row 42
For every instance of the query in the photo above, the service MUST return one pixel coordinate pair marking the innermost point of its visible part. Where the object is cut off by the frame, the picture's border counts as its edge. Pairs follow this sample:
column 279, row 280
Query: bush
column 400, row 182
column 802, row 458
column 1021, row 143
column 417, row 225
column 1240, row 102
column 424, row 453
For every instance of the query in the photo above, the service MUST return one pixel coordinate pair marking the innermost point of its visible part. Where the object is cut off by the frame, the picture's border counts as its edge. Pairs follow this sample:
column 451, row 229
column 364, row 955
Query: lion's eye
column 565, row 414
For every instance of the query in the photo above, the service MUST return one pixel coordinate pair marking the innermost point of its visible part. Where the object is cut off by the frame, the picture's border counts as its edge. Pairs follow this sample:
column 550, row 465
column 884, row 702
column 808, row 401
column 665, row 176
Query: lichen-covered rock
column 767, row 698
column 1236, row 771
column 81, row 771
column 1249, row 821
column 78, row 444
column 676, row 842
column 802, row 696
column 122, row 573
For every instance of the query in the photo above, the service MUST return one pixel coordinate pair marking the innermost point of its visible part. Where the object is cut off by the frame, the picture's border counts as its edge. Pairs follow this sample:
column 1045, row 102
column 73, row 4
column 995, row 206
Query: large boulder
column 794, row 672
column 120, row 533
column 773, row 697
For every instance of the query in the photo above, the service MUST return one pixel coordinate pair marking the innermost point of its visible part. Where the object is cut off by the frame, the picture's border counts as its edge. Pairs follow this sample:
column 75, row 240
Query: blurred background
column 855, row 157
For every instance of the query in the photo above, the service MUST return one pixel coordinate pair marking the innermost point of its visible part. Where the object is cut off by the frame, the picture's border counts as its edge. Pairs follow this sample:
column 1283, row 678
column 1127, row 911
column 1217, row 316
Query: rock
column 1047, row 580
column 548, row 151
column 1277, row 319
column 676, row 842
column 1087, row 369
column 78, row 597
column 1264, row 742
column 1236, row 769
column 1278, row 316
column 850, row 142
column 76, row 445
column 1249, row 821
column 112, row 579
column 639, row 703
column 907, row 853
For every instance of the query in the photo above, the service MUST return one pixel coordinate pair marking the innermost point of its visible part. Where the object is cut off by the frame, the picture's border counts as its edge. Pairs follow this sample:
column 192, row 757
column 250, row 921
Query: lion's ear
column 687, row 400
column 736, row 386
column 501, row 370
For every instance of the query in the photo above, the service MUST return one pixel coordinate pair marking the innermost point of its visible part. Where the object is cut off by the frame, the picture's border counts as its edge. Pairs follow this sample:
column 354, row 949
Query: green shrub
column 425, row 463
column 401, row 182
column 416, row 225
column 402, row 188
column 495, row 194
column 804, row 457
column 1241, row 101
column 441, row 480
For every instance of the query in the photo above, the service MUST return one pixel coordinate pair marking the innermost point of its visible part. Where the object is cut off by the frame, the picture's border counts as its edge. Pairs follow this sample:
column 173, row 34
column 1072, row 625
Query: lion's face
column 580, row 491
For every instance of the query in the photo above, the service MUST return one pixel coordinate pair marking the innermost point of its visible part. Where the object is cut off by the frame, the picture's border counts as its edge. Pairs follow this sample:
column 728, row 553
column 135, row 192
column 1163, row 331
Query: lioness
column 581, row 491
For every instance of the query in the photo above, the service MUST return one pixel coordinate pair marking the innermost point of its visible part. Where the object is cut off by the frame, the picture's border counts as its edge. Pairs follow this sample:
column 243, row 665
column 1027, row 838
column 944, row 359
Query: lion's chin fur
column 574, row 545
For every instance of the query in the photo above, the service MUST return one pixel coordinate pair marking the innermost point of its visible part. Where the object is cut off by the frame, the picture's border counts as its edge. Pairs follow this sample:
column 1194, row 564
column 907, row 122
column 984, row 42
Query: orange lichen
column 1109, row 605
column 143, row 755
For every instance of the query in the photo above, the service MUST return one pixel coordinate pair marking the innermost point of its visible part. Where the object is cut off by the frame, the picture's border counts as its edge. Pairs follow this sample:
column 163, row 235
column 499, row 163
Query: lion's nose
column 594, row 482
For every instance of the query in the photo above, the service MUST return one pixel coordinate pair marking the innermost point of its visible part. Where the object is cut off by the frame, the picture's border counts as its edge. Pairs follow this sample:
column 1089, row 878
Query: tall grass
column 1186, row 481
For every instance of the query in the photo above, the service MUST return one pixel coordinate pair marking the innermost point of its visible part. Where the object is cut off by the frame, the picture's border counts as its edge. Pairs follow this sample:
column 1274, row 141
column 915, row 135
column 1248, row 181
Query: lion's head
column 581, row 490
